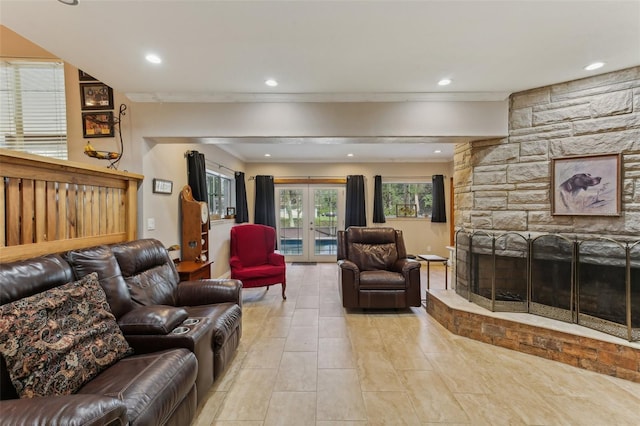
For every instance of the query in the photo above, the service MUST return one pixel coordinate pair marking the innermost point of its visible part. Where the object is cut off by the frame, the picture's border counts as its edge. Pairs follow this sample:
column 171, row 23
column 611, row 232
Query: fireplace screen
column 552, row 259
column 592, row 282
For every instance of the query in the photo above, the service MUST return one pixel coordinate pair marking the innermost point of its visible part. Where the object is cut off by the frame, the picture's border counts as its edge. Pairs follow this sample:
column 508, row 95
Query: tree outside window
column 396, row 194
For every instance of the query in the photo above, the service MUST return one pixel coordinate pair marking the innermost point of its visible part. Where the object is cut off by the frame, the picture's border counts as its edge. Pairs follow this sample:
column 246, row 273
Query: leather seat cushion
column 226, row 318
column 382, row 280
column 152, row 386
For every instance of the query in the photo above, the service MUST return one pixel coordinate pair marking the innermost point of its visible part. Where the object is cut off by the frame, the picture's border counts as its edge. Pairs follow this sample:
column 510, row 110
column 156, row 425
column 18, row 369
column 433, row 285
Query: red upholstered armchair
column 253, row 260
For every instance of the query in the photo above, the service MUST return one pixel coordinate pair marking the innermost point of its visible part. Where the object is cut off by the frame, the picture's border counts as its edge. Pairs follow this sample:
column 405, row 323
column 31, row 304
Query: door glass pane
column 326, row 221
column 290, row 221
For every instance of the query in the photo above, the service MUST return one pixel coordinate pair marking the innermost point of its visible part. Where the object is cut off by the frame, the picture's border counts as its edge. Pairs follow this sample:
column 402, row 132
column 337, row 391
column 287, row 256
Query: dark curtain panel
column 265, row 208
column 355, row 213
column 378, row 209
column 197, row 175
column 439, row 213
column 242, row 211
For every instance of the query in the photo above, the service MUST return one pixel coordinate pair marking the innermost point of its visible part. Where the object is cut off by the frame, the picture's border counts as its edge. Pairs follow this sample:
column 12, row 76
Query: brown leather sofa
column 158, row 385
column 149, row 389
column 375, row 271
column 155, row 313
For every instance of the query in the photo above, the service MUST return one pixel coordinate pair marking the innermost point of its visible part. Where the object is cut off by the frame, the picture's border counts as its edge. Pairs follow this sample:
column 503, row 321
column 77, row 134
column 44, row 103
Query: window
column 219, row 190
column 402, row 196
column 33, row 109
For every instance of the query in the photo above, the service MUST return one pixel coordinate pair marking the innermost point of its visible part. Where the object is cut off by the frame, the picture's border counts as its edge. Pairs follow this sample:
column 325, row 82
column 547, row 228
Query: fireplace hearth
column 592, row 282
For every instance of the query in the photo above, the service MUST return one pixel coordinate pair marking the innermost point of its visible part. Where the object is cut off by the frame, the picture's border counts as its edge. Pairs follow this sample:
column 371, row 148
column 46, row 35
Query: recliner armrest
column 154, row 319
column 405, row 265
column 348, row 265
column 81, row 409
column 209, row 291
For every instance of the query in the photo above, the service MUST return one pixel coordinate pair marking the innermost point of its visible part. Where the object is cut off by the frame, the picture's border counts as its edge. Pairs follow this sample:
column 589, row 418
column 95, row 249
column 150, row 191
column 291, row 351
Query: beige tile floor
column 307, row 361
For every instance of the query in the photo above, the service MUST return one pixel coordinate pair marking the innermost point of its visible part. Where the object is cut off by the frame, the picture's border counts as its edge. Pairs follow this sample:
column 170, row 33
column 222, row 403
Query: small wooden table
column 435, row 258
column 191, row 271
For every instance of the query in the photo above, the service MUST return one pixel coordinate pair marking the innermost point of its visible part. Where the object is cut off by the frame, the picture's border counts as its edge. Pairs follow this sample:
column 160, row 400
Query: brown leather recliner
column 375, row 271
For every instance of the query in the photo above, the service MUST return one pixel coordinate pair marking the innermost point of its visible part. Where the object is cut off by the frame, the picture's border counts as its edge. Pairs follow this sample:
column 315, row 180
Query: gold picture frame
column 588, row 185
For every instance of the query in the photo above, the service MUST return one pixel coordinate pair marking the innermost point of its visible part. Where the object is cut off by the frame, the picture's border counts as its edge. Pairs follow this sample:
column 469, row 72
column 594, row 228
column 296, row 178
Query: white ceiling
column 331, row 51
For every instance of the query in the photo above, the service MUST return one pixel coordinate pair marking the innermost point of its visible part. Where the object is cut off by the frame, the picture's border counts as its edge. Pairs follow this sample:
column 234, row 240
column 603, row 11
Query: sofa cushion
column 382, row 280
column 150, row 274
column 100, row 259
column 372, row 257
column 55, row 341
column 152, row 386
column 156, row 319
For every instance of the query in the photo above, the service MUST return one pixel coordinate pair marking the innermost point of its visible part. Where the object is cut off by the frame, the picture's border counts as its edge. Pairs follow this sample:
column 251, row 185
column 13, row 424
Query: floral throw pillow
column 55, row 341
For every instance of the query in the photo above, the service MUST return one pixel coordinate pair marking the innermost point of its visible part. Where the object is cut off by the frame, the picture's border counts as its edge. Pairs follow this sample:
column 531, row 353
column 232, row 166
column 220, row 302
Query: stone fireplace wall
column 504, row 184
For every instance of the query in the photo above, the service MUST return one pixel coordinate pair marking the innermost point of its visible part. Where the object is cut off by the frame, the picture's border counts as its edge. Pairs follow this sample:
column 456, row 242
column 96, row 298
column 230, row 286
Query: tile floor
column 306, row 361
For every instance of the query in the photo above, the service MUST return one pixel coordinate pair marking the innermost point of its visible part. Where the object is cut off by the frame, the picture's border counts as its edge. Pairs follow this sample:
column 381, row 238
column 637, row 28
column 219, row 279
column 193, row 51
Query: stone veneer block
column 584, row 352
column 530, row 98
column 612, row 104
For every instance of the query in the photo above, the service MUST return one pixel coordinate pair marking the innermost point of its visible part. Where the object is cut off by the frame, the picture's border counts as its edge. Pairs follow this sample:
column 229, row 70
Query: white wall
column 480, row 120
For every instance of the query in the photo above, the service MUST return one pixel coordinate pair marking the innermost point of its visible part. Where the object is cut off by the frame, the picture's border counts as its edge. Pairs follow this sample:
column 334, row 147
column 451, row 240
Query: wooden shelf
column 191, row 271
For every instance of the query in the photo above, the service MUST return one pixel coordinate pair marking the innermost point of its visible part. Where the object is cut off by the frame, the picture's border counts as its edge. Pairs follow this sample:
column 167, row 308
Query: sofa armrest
column 209, row 291
column 154, row 319
column 235, row 263
column 81, row 409
column 276, row 259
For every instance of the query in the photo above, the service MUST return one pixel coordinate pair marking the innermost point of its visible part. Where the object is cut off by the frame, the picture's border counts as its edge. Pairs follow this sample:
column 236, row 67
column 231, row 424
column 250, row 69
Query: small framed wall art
column 162, row 186
column 96, row 96
column 97, row 124
column 587, row 185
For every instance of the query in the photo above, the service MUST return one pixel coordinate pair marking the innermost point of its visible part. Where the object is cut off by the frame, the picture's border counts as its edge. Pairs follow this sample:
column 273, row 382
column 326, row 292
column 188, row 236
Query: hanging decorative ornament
column 114, row 157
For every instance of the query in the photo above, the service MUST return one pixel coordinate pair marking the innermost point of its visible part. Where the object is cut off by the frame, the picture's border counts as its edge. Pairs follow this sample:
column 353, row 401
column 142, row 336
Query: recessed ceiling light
column 154, row 59
column 444, row 82
column 349, row 155
column 267, row 155
column 594, row 66
column 271, row 82
column 437, row 151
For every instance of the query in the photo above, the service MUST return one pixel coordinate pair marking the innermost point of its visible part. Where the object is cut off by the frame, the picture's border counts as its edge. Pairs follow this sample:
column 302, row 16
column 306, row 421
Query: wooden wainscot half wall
column 50, row 205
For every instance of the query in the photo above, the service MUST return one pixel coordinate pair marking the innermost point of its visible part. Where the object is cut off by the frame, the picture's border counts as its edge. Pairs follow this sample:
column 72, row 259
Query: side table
column 435, row 258
column 191, row 271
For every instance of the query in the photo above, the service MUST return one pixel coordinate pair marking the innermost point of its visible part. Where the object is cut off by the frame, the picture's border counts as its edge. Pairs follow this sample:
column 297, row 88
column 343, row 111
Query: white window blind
column 33, row 110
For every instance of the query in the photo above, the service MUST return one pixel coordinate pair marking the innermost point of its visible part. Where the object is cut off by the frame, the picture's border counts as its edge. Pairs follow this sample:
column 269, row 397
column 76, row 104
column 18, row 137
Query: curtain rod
column 221, row 166
column 303, row 177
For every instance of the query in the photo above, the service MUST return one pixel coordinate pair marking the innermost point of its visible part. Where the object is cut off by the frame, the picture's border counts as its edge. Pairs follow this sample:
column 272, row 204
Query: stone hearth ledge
column 556, row 340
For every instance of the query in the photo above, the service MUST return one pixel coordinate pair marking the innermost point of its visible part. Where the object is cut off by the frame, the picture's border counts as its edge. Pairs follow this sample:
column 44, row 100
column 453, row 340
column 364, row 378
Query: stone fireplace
column 523, row 258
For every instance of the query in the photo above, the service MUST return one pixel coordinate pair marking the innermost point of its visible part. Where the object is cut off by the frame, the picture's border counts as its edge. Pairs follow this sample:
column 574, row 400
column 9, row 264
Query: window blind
column 33, row 110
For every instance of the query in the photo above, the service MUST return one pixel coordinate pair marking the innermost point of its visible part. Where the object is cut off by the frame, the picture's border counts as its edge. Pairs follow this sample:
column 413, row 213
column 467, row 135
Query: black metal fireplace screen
column 594, row 282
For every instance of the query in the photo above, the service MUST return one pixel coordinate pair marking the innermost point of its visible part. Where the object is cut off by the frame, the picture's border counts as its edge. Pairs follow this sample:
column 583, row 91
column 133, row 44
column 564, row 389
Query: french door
column 309, row 217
